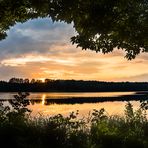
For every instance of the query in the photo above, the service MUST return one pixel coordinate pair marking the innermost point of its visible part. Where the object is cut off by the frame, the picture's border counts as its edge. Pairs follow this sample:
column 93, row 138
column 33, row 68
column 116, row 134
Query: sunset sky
column 42, row 49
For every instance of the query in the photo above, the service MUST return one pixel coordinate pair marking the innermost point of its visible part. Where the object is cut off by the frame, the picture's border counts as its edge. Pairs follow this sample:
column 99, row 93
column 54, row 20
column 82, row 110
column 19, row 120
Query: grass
column 18, row 129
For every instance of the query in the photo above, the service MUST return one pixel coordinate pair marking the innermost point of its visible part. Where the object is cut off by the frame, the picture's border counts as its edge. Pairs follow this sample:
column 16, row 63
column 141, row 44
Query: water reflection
column 57, row 95
column 43, row 99
column 64, row 103
column 111, row 108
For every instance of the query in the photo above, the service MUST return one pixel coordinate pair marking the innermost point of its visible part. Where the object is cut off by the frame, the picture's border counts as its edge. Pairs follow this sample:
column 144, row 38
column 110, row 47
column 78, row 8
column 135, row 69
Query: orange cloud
column 41, row 50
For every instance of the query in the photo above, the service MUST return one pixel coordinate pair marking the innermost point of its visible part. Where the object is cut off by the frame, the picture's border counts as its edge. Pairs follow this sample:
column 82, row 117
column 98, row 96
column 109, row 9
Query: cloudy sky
column 42, row 49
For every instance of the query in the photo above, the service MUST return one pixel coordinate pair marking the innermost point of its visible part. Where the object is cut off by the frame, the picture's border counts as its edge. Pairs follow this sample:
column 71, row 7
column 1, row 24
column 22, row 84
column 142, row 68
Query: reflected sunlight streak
column 43, row 99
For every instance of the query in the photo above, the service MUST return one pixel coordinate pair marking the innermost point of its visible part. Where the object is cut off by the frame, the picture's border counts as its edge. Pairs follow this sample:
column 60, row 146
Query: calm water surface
column 40, row 105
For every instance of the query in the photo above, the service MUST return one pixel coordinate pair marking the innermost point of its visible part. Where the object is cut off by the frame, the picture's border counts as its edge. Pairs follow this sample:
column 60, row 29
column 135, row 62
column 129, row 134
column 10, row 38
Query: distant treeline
column 24, row 85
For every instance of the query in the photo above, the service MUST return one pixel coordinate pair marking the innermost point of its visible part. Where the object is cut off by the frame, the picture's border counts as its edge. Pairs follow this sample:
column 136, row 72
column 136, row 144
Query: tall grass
column 18, row 129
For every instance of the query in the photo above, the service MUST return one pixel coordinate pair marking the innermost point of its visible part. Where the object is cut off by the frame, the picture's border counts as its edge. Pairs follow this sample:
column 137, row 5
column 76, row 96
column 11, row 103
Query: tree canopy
column 101, row 25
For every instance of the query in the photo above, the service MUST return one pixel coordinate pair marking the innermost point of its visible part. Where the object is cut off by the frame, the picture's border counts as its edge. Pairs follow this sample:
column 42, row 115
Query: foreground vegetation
column 18, row 129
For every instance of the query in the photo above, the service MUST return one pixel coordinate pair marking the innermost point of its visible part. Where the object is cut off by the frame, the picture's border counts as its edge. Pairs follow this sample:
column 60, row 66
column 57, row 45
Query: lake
column 64, row 103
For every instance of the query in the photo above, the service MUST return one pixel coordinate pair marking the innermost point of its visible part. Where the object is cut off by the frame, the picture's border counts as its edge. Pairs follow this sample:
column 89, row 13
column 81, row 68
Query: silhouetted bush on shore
column 18, row 129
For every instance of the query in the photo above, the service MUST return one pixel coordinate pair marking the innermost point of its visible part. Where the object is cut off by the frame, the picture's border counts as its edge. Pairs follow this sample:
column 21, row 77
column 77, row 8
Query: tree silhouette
column 101, row 25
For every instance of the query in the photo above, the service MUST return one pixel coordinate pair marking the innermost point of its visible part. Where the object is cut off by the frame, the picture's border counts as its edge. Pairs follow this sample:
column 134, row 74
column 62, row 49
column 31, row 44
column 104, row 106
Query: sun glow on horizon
column 42, row 79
